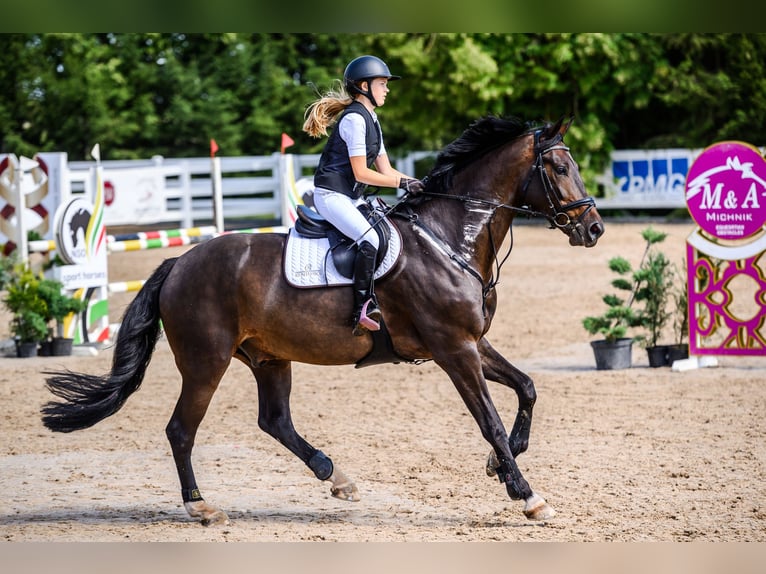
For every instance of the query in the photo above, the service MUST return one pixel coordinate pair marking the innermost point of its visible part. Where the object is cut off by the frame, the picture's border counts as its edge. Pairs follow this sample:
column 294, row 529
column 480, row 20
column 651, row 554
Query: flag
column 287, row 141
column 213, row 148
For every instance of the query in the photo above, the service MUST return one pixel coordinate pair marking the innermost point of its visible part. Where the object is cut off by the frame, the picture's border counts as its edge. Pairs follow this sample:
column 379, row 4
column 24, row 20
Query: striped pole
column 41, row 246
column 179, row 240
column 143, row 244
column 126, row 286
column 144, row 240
column 159, row 234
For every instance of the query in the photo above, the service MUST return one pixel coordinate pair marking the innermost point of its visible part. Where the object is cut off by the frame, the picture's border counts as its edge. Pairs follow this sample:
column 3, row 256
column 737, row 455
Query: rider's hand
column 411, row 185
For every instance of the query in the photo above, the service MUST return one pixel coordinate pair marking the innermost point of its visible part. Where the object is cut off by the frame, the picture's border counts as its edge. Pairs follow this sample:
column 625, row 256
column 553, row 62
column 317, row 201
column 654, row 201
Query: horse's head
column 555, row 189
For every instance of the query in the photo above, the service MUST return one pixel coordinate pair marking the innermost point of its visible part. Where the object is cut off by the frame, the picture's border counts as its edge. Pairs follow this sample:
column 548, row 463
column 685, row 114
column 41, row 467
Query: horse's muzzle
column 586, row 235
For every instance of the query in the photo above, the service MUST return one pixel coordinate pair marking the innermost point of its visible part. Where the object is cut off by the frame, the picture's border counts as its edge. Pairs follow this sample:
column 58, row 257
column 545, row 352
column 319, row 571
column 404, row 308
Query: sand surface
column 634, row 455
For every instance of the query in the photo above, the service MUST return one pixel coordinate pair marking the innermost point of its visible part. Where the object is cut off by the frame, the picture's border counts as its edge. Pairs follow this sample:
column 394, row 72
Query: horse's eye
column 562, row 169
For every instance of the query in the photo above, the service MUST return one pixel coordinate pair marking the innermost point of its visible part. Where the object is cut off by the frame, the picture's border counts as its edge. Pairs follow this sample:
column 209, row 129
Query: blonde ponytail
column 322, row 113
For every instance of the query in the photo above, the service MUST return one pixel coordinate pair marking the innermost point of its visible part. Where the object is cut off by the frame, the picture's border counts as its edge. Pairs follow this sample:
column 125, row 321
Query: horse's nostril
column 596, row 230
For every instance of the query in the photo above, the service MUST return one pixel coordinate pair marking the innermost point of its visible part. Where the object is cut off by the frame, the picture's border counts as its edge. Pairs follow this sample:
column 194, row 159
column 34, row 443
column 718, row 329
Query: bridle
column 559, row 216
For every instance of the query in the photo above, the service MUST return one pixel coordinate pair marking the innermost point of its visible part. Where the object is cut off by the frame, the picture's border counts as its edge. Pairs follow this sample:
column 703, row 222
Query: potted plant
column 663, row 291
column 28, row 309
column 614, row 350
column 680, row 349
column 59, row 306
column 656, row 283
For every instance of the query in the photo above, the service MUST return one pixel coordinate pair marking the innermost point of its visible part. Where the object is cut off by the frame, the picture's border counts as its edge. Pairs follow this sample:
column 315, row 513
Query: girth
column 312, row 225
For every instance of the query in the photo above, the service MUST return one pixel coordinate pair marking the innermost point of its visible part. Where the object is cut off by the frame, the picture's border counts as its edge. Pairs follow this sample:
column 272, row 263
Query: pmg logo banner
column 657, row 176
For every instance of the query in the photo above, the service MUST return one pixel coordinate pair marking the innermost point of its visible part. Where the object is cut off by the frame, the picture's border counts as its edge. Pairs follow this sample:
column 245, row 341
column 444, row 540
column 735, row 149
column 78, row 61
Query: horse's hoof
column 218, row 518
column 343, row 487
column 492, row 464
column 535, row 508
column 208, row 515
column 346, row 492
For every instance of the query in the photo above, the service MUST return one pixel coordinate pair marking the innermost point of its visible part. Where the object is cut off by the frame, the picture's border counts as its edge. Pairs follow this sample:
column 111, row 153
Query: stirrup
column 367, row 322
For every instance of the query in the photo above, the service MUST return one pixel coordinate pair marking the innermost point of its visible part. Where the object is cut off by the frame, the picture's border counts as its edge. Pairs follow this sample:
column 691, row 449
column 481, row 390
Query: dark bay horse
column 229, row 298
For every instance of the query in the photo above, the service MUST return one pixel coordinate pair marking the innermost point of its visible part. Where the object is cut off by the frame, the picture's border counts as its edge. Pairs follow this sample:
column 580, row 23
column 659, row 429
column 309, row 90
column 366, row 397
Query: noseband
column 558, row 216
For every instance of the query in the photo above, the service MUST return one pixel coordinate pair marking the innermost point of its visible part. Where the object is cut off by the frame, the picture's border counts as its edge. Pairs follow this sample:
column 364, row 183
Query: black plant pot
column 677, row 352
column 658, row 356
column 613, row 355
column 61, row 346
column 26, row 349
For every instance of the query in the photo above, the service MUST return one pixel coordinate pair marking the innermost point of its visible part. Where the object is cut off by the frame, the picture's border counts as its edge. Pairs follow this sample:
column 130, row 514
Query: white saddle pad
column 308, row 262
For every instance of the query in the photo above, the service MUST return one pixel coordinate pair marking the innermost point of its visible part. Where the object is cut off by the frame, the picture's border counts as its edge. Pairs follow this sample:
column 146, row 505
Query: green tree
column 141, row 94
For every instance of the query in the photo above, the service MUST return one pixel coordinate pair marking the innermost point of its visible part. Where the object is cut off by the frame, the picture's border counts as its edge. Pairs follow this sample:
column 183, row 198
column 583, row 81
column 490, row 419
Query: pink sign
column 726, row 190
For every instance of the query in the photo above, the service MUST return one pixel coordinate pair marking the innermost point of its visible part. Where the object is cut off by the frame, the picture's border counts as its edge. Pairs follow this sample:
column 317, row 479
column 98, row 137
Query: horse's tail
column 89, row 399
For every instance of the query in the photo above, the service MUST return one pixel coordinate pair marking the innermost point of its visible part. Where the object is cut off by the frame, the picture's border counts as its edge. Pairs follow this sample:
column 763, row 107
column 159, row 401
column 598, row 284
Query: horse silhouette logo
column 79, row 221
column 72, row 231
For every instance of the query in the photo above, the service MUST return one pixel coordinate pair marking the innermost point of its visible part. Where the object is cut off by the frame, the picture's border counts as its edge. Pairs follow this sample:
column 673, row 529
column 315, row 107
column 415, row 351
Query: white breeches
column 342, row 212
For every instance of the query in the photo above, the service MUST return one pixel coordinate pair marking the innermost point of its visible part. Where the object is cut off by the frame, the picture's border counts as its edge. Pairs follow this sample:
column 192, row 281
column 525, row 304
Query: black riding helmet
column 365, row 68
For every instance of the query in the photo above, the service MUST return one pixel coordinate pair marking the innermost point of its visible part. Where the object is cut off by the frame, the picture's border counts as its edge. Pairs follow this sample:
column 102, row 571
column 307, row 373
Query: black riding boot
column 366, row 312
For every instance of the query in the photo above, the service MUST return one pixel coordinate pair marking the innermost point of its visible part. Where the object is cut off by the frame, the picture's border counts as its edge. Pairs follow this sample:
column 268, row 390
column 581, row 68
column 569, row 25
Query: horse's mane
column 482, row 136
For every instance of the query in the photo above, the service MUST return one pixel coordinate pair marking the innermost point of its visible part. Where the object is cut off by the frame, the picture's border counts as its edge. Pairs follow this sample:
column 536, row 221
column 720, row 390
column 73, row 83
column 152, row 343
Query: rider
column 345, row 169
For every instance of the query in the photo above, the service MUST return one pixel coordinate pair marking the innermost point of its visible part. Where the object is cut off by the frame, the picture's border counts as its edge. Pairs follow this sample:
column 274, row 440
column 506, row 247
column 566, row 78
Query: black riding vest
column 334, row 169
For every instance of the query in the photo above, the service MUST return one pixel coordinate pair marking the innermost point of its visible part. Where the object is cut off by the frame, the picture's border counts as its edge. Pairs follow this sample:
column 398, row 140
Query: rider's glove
column 411, row 185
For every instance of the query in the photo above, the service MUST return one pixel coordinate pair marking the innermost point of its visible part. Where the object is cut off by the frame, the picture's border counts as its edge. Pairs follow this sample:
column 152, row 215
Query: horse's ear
column 564, row 127
column 554, row 129
column 557, row 130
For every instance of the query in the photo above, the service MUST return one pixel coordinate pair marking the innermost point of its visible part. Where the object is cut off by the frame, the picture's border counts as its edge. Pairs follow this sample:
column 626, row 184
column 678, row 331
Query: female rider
column 345, row 170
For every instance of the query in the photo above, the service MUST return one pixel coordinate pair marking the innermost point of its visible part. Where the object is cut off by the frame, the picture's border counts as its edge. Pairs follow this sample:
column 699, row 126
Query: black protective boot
column 367, row 315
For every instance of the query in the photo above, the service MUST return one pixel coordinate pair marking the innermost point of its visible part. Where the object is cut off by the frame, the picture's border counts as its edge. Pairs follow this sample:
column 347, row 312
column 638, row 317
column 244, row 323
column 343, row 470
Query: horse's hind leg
column 199, row 385
column 274, row 386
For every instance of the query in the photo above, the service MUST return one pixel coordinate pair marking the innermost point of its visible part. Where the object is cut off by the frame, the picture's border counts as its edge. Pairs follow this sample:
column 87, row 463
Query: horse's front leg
column 496, row 368
column 464, row 368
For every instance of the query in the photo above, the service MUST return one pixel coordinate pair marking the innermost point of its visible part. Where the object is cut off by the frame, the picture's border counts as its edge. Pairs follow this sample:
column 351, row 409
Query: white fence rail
column 164, row 190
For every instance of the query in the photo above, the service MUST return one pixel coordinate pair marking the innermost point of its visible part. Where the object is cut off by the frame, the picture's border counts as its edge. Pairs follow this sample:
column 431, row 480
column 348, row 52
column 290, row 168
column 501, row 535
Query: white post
column 187, row 207
column 289, row 198
column 217, row 182
column 19, row 205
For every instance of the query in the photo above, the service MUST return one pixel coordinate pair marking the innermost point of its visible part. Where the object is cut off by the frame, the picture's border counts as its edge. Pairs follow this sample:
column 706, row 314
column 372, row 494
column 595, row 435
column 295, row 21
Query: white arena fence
column 164, row 192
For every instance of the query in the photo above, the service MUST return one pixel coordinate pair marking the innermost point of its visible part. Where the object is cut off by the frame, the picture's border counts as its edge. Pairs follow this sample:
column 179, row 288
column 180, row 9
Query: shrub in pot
column 655, row 286
column 28, row 329
column 680, row 349
column 59, row 306
column 28, row 325
column 663, row 292
column 614, row 350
